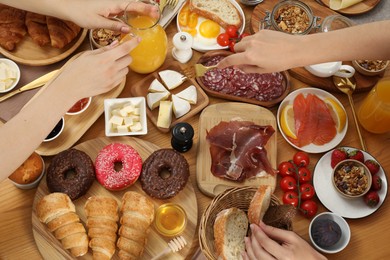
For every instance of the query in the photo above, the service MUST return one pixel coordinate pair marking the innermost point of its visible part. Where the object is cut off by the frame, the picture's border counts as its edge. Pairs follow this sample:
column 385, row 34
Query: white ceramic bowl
column 15, row 67
column 82, row 109
column 33, row 184
column 57, row 130
column 117, row 103
column 345, row 232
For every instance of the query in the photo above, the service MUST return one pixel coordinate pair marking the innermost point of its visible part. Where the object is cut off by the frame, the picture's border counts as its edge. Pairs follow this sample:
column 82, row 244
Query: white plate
column 169, row 13
column 312, row 148
column 326, row 193
column 202, row 47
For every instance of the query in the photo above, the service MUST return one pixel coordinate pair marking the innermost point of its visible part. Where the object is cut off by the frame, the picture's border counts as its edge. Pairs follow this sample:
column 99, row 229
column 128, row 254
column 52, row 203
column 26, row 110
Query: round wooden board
column 29, row 53
column 51, row 248
column 364, row 83
column 359, row 8
column 213, row 115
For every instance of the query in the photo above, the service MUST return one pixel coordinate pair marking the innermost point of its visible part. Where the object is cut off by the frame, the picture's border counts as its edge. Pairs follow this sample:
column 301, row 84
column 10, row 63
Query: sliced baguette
column 222, row 12
column 230, row 228
column 259, row 204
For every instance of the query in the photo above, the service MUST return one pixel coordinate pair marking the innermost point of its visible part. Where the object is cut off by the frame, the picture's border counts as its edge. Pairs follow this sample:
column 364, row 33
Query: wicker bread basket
column 239, row 197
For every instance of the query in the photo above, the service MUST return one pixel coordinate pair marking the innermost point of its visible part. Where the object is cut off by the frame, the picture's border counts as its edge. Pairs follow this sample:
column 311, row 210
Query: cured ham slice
column 237, row 150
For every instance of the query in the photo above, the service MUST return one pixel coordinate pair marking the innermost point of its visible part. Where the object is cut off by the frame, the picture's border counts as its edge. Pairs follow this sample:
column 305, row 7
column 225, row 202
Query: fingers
column 142, row 8
column 254, row 250
column 231, row 60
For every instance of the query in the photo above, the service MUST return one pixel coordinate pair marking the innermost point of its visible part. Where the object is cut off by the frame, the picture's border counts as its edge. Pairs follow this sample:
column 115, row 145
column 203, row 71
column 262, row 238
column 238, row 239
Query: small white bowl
column 117, row 103
column 15, row 67
column 33, row 184
column 83, row 108
column 345, row 232
column 57, row 130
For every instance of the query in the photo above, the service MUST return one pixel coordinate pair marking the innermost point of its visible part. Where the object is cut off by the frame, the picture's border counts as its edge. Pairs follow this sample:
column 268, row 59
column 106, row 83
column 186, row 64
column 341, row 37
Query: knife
column 39, row 82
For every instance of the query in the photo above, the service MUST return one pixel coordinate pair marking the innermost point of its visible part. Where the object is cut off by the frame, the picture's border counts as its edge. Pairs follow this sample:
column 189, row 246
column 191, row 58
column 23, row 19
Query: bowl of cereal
column 351, row 178
column 370, row 67
column 103, row 37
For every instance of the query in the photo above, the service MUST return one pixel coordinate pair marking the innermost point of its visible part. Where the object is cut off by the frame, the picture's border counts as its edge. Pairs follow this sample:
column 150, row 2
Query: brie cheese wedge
column 165, row 114
column 180, row 106
column 171, row 78
column 190, row 94
column 156, row 86
column 153, row 99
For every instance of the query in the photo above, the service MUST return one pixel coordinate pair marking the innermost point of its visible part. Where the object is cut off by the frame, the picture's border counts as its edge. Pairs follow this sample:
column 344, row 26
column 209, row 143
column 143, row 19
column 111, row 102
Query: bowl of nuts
column 351, row 178
column 103, row 37
column 370, row 67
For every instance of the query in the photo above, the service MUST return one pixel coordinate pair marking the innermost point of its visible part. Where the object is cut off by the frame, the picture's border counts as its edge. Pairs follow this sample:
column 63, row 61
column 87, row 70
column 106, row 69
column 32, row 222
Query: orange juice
column 150, row 54
column 374, row 113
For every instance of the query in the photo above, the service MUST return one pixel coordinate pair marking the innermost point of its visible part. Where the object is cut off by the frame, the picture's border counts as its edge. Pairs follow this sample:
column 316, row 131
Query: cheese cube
column 128, row 109
column 164, row 118
column 116, row 120
column 123, row 129
column 128, row 121
column 136, row 127
column 116, row 112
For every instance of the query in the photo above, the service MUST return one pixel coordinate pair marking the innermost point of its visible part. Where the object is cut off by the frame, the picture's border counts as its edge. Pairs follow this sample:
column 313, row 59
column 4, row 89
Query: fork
column 174, row 245
column 171, row 3
column 200, row 69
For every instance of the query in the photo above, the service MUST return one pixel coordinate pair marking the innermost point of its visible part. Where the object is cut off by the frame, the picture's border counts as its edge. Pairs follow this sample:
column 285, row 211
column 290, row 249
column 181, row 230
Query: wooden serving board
column 359, row 8
column 364, row 83
column 51, row 248
column 211, row 116
column 141, row 90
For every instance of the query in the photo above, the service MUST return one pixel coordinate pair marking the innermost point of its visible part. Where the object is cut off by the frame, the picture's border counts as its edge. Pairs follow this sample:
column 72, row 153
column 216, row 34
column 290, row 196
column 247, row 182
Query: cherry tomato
column 288, row 183
column 243, row 35
column 223, row 39
column 232, row 31
column 231, row 46
column 304, row 175
column 291, row 197
column 301, row 159
column 307, row 191
column 309, row 208
column 286, row 169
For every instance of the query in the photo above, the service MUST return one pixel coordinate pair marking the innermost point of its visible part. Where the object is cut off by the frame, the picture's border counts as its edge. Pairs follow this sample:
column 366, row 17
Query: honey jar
column 170, row 220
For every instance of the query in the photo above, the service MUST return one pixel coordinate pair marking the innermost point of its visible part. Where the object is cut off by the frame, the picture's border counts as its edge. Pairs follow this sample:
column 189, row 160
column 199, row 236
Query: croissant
column 137, row 214
column 12, row 28
column 37, row 28
column 61, row 32
column 102, row 217
column 58, row 212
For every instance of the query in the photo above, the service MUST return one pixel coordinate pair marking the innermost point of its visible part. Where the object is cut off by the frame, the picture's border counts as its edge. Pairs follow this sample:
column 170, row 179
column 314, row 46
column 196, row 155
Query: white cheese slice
column 164, row 114
column 190, row 94
column 153, row 99
column 171, row 78
column 180, row 106
column 156, row 86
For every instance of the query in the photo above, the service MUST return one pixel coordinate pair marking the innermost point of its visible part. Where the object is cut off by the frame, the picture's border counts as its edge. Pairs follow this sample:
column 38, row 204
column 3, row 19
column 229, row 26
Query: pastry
column 37, row 28
column 61, row 32
column 12, row 28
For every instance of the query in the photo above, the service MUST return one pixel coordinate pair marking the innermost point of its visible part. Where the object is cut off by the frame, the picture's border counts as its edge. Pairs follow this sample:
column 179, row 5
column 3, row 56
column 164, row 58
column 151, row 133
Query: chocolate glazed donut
column 159, row 162
column 71, row 172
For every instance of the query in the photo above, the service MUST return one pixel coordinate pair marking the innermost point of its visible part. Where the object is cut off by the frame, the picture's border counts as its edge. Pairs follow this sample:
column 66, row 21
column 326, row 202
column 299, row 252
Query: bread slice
column 222, row 12
column 230, row 228
column 259, row 204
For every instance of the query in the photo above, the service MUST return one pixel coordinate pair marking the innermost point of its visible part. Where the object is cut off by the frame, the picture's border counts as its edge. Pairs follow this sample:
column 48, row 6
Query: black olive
column 325, row 232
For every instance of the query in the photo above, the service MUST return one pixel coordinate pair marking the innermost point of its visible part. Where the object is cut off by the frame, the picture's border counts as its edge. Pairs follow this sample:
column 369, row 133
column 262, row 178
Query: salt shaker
column 182, row 42
column 182, row 134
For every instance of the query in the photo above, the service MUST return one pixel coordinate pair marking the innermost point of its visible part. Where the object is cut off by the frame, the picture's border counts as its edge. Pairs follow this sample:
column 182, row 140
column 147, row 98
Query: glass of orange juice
column 374, row 112
column 151, row 52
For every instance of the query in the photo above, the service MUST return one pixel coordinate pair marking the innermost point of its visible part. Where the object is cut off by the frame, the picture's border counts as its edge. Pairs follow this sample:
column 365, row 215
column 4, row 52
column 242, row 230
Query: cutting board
column 211, row 116
column 364, row 83
column 359, row 8
column 51, row 248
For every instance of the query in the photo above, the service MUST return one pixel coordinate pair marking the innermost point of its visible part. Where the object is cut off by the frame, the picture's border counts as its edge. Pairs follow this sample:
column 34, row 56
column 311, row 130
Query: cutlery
column 39, row 82
column 174, row 245
column 347, row 86
column 200, row 69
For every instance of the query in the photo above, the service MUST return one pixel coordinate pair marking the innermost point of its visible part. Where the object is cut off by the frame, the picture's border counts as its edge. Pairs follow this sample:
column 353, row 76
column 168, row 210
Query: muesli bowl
column 351, row 179
column 370, row 67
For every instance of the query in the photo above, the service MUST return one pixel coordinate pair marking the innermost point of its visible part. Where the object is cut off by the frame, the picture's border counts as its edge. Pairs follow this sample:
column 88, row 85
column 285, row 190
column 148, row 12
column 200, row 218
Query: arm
column 268, row 51
column 20, row 136
column 268, row 242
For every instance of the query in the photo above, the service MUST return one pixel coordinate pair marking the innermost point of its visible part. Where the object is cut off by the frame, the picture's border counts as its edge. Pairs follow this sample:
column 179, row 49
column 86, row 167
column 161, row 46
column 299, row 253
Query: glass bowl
column 335, row 22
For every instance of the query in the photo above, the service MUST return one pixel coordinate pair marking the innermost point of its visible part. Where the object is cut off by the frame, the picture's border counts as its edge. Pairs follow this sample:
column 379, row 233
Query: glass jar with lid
column 335, row 22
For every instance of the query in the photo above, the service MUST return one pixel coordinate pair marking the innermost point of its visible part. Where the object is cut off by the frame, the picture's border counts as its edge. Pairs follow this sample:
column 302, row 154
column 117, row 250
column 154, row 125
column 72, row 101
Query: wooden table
column 370, row 235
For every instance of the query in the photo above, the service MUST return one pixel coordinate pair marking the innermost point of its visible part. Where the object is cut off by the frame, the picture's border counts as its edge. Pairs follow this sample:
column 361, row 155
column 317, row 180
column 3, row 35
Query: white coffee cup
column 328, row 69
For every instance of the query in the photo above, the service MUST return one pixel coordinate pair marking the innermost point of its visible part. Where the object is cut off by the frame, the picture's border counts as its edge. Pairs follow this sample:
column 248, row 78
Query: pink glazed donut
column 118, row 166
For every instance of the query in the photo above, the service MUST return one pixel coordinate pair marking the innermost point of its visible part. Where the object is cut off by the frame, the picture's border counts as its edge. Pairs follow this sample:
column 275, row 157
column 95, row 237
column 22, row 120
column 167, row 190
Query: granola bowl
column 370, row 67
column 100, row 37
column 351, row 179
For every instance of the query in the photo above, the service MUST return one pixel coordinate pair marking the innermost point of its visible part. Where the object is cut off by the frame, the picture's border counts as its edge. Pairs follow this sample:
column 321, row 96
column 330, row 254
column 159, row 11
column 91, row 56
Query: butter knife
column 39, row 82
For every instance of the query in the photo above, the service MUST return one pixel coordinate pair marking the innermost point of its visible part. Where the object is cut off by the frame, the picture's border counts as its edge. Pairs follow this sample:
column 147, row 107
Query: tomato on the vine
column 307, row 191
column 291, row 197
column 309, row 208
column 243, row 35
column 232, row 31
column 223, row 39
column 301, row 159
column 304, row 175
column 231, row 46
column 288, row 183
column 286, row 169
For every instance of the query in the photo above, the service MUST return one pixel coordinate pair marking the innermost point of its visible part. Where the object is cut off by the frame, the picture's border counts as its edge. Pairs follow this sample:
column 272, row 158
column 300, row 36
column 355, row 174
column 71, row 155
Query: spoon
column 347, row 86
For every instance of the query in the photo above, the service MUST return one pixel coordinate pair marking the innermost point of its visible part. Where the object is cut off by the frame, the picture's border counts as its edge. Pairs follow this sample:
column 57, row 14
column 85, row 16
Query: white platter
column 202, row 47
column 326, row 193
column 169, row 14
column 312, row 148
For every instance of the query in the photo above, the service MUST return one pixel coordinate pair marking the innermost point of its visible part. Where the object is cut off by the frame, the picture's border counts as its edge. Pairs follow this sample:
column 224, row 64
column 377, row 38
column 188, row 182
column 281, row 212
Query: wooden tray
column 29, row 53
column 51, row 248
column 364, row 83
column 359, row 8
column 217, row 94
column 141, row 89
column 211, row 116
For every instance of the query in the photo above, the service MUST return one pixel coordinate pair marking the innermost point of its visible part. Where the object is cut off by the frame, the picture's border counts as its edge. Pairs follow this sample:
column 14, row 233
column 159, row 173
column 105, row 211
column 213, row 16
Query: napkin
column 341, row 4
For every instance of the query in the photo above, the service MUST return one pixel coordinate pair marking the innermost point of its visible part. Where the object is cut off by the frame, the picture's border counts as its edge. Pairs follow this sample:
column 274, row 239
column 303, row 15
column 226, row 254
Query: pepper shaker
column 182, row 134
column 182, row 42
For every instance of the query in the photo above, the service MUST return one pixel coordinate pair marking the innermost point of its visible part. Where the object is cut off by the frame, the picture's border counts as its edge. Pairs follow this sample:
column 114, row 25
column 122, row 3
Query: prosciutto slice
column 237, row 150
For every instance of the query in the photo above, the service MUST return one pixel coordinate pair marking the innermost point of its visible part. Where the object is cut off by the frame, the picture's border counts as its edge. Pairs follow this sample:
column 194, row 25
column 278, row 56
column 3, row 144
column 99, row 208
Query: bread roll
column 137, row 216
column 102, row 217
column 58, row 212
column 259, row 204
column 230, row 228
column 222, row 12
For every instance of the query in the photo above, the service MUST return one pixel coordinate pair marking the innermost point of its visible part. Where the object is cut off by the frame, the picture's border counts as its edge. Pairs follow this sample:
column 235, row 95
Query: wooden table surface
column 370, row 235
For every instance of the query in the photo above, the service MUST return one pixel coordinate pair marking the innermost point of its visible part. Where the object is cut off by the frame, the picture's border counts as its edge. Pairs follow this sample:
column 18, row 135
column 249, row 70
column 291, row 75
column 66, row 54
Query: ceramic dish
column 10, row 65
column 347, row 208
column 312, row 148
column 359, row 8
column 201, row 44
column 169, row 14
